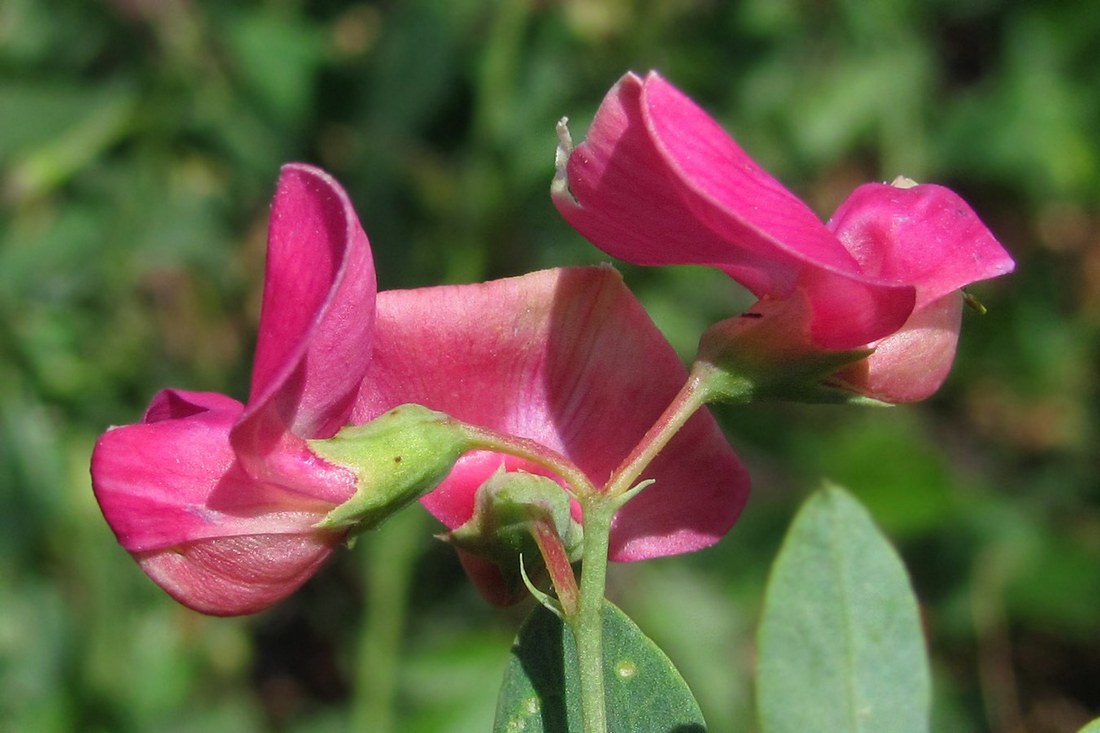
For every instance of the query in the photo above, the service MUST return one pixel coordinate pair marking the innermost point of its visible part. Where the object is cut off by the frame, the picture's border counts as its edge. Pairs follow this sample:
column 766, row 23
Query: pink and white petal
column 229, row 576
column 313, row 346
column 570, row 359
column 175, row 481
column 910, row 365
column 925, row 235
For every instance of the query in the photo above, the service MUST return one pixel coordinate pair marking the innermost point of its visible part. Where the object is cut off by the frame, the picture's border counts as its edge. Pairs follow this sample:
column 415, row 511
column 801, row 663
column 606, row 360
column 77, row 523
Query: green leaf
column 840, row 644
column 645, row 693
column 1093, row 727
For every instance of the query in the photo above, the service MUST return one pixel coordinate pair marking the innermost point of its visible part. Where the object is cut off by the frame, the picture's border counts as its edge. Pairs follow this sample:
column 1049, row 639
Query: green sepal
column 506, row 508
column 767, row 354
column 398, row 457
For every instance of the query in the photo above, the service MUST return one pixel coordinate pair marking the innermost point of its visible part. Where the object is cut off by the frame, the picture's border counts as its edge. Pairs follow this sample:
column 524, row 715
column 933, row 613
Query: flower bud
column 507, row 509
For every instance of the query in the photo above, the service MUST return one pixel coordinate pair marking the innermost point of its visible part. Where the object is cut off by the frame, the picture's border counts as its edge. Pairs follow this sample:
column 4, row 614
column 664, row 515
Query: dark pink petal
column 174, row 404
column 313, row 346
column 923, row 235
column 657, row 181
column 215, row 538
column 230, row 576
column 570, row 359
column 910, row 365
column 733, row 195
column 175, row 481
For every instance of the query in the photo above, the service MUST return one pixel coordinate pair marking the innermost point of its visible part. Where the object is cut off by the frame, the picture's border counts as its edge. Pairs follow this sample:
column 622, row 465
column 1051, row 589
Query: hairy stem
column 695, row 393
column 484, row 439
column 587, row 622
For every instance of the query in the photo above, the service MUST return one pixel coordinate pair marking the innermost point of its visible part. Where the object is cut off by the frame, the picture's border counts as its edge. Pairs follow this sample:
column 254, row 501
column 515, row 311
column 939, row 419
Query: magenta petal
column 570, row 359
column 728, row 191
column 910, row 365
column 216, row 539
column 313, row 346
column 657, row 182
column 231, row 576
column 849, row 312
column 173, row 404
column 626, row 198
column 171, row 482
column 925, row 235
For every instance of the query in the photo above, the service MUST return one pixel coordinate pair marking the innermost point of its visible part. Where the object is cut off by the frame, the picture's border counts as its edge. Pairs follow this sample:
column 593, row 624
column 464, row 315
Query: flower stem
column 585, row 619
column 485, row 439
column 558, row 567
column 587, row 622
column 390, row 555
column 599, row 510
column 695, row 393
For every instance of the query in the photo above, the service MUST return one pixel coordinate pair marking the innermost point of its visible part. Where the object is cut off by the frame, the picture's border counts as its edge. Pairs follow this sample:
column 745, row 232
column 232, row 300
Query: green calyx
column 506, row 511
column 767, row 355
column 398, row 457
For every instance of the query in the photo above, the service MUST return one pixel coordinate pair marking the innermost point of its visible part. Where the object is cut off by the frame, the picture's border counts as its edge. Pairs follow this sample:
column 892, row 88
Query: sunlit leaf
column 840, row 645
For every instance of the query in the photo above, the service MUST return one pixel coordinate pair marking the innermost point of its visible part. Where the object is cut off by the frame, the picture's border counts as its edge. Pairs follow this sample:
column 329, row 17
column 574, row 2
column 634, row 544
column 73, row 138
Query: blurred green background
column 140, row 141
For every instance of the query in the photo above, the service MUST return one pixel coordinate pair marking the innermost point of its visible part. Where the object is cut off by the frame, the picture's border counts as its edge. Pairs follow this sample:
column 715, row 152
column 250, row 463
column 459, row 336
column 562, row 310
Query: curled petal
column 924, row 235
column 175, row 404
column 313, row 346
column 174, row 481
column 910, row 365
column 657, row 181
column 230, row 576
column 216, row 539
column 568, row 358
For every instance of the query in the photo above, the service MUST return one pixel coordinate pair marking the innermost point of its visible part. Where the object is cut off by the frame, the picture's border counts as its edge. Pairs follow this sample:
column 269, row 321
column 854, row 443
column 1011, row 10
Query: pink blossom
column 570, row 359
column 657, row 181
column 217, row 500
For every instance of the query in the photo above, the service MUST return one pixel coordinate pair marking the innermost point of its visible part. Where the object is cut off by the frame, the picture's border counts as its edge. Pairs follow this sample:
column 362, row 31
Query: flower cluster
column 231, row 506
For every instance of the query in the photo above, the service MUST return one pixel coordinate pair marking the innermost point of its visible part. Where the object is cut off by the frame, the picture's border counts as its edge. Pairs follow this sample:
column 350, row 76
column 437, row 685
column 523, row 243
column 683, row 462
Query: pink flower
column 657, row 181
column 570, row 359
column 217, row 500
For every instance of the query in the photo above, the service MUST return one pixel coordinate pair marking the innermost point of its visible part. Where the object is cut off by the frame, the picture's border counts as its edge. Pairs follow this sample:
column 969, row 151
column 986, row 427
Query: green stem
column 696, row 392
column 485, row 439
column 599, row 510
column 558, row 567
column 587, row 623
column 390, row 555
